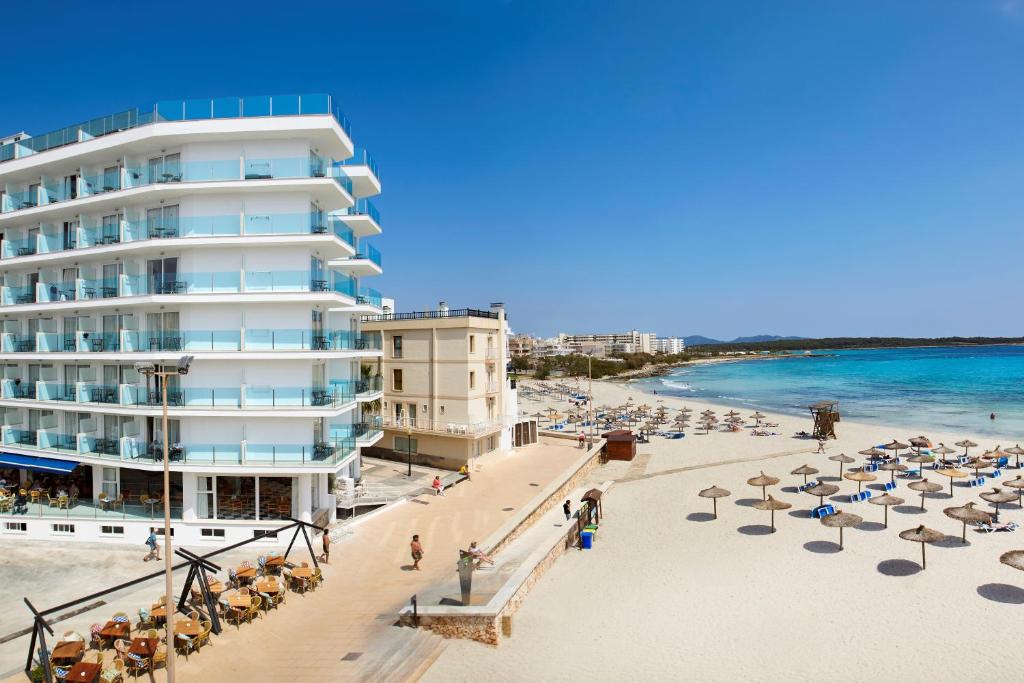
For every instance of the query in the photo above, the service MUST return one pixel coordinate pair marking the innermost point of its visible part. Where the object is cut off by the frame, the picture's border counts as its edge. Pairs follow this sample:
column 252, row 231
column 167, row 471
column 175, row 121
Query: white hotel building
column 233, row 230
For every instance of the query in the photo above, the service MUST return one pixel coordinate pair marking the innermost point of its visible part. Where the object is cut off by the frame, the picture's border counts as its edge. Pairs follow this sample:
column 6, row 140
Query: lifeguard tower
column 825, row 414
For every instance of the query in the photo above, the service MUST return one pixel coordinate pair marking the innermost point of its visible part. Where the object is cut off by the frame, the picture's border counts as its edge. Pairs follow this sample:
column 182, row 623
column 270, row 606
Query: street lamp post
column 590, row 396
column 150, row 370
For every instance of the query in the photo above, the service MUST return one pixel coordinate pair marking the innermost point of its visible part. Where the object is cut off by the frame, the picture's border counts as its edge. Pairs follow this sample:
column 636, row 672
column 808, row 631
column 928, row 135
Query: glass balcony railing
column 361, row 157
column 24, row 199
column 364, row 207
column 370, row 297
column 141, row 341
column 55, row 391
column 24, row 294
column 370, row 253
column 325, row 453
column 20, row 247
column 99, row 183
column 101, row 288
column 296, row 397
column 95, row 235
column 51, row 193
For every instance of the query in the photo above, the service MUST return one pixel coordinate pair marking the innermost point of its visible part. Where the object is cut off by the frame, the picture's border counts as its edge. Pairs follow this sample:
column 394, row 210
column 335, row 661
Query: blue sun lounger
column 823, row 511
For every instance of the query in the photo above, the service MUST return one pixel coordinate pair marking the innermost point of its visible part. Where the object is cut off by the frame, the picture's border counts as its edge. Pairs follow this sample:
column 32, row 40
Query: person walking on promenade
column 154, row 549
column 326, row 540
column 417, row 551
column 581, row 439
column 821, row 445
column 437, row 486
column 567, row 509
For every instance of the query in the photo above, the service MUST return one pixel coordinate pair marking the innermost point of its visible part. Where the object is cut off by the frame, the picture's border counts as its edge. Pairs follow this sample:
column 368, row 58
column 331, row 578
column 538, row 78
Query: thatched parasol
column 842, row 459
column 886, row 500
column 921, row 459
column 1013, row 558
column 1016, row 483
column 892, row 468
column 757, row 417
column 966, row 444
column 968, row 514
column 1017, row 451
column 841, row 520
column 922, row 535
column 707, row 412
column 860, row 476
column 732, row 413
column 994, row 454
column 764, row 481
column 978, row 463
column 714, row 493
column 773, row 505
column 804, row 470
column 920, row 442
column 822, row 490
column 871, row 453
column 895, row 446
column 943, row 449
column 925, row 486
column 997, row 496
column 952, row 474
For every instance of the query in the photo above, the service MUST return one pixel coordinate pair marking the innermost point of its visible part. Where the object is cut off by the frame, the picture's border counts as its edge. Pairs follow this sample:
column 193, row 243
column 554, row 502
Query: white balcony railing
column 443, row 427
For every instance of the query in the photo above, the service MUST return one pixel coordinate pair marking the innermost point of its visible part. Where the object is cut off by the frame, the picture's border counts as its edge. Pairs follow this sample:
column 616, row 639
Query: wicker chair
column 254, row 607
column 114, row 673
column 121, row 646
column 183, row 645
column 160, row 656
column 138, row 665
column 204, row 638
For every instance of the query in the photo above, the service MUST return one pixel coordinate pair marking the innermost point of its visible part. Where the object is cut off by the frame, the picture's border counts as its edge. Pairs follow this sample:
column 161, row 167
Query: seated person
column 479, row 554
column 20, row 503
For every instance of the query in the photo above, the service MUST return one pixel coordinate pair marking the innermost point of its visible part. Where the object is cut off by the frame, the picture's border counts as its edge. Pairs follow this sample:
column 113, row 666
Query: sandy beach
column 669, row 593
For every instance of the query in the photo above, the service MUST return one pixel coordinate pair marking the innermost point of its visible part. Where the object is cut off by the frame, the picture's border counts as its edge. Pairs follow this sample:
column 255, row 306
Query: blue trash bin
column 587, row 540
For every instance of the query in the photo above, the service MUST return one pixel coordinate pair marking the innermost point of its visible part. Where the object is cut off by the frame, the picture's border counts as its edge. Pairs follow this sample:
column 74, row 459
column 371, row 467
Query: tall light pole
column 590, row 395
column 150, row 370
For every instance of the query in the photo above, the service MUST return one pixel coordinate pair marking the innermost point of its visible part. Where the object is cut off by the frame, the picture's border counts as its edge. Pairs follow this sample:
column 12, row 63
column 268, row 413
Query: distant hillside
column 698, row 340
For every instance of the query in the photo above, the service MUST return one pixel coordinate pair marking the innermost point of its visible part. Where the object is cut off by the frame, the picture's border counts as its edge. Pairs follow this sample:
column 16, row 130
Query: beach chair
column 806, row 486
column 855, row 498
column 1002, row 462
column 889, row 486
column 975, row 483
column 996, row 473
column 823, row 511
column 872, row 467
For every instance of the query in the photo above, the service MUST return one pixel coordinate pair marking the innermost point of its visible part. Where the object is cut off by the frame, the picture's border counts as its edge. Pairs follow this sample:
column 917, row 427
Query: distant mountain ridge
column 696, row 339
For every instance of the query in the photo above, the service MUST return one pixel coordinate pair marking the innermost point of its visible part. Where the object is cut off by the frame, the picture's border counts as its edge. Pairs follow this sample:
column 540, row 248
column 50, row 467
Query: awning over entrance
column 29, row 462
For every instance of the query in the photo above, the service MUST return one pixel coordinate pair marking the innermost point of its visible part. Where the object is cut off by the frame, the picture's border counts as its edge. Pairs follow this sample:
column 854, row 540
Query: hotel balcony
column 366, row 261
column 187, row 284
column 49, row 239
column 362, row 169
column 363, row 217
column 138, row 452
column 461, row 429
column 193, row 341
column 168, row 175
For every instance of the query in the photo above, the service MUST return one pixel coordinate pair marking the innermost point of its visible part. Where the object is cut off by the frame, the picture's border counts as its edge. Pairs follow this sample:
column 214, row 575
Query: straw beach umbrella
column 841, row 520
column 757, row 417
column 922, row 535
column 804, row 470
column 997, row 496
column 952, row 474
column 1013, row 558
column 892, row 468
column 871, row 453
column 1016, row 483
column 925, row 486
column 920, row 442
column 860, row 476
column 773, row 505
column 764, row 481
column 714, row 493
column 1017, row 451
column 886, row 500
column 965, row 444
column 921, row 459
column 822, row 490
column 842, row 459
column 895, row 446
column 943, row 450
column 968, row 514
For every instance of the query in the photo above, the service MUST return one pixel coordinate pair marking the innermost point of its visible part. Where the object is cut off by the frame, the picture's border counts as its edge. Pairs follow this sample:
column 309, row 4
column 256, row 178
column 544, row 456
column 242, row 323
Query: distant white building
column 668, row 345
column 615, row 342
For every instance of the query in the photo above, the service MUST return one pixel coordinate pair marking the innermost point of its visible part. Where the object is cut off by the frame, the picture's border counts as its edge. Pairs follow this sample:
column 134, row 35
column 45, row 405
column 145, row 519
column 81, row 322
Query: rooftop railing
column 179, row 110
column 442, row 427
column 424, row 315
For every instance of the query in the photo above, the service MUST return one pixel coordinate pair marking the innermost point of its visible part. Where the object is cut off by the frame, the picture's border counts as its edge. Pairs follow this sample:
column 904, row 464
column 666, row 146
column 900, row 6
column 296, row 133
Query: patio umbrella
column 921, row 459
column 773, row 505
column 952, row 474
column 841, row 520
column 842, row 459
column 1016, row 483
column 872, row 453
column 822, row 490
column 714, row 493
column 1013, row 558
column 1017, row 451
column 922, row 535
column 997, row 496
column 732, row 413
column 686, row 410
column 978, row 463
column 892, row 468
column 965, row 444
column 860, row 476
column 763, row 480
column 920, row 442
column 925, row 486
column 943, row 450
column 804, row 470
column 968, row 514
column 895, row 446
column 886, row 500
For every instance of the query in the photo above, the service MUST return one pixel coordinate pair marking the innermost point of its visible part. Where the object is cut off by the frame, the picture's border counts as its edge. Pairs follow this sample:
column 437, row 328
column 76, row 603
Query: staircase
column 401, row 656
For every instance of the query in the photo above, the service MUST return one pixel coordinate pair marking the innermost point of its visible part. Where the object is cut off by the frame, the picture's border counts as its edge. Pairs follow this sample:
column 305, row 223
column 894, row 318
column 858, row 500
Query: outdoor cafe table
column 115, row 629
column 158, row 612
column 246, row 572
column 188, row 627
column 215, row 586
column 275, row 561
column 266, row 586
column 144, row 647
column 68, row 649
column 302, row 573
column 83, row 672
column 240, row 601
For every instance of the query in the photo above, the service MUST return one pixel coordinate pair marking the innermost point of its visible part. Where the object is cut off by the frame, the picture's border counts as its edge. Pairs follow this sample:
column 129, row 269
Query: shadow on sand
column 898, row 567
column 755, row 530
column 700, row 517
column 870, row 526
column 822, row 547
column 747, row 502
column 1001, row 592
column 952, row 542
column 908, row 509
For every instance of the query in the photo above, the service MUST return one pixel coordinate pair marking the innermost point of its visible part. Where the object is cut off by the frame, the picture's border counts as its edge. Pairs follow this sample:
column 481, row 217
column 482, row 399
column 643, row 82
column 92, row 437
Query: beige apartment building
column 447, row 397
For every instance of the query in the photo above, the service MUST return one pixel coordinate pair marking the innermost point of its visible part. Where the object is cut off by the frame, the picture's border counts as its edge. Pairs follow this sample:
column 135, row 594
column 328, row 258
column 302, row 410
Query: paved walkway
column 369, row 579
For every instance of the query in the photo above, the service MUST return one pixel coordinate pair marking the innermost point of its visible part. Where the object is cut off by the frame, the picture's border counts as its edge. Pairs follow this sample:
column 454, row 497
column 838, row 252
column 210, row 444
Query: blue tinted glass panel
column 315, row 104
column 227, row 108
column 286, row 105
column 197, row 109
column 170, row 110
column 255, row 106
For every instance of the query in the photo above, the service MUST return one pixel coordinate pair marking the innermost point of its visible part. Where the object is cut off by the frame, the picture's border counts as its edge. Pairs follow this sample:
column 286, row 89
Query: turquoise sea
column 954, row 389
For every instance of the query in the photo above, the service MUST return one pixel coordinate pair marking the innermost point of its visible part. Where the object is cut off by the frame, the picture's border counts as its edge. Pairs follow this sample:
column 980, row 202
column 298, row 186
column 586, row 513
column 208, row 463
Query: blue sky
column 721, row 168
